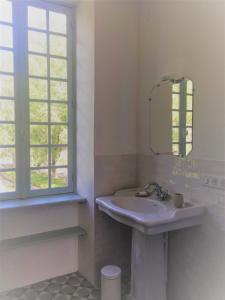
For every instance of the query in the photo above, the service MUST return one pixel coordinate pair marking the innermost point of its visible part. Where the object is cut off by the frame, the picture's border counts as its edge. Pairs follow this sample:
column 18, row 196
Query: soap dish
column 142, row 194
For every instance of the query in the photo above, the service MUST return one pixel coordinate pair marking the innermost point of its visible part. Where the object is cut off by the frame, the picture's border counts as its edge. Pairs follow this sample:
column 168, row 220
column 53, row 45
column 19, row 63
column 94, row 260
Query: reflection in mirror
column 171, row 117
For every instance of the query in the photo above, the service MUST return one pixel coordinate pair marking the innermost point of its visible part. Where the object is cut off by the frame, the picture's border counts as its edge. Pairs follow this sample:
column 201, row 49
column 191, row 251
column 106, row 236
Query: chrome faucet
column 160, row 193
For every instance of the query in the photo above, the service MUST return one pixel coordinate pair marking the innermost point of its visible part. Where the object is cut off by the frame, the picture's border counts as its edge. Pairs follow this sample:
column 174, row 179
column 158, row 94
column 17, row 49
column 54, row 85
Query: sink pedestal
column 149, row 267
column 151, row 220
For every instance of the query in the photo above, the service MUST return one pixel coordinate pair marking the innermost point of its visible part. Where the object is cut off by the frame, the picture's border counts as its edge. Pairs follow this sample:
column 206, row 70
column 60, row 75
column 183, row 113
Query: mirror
column 171, row 117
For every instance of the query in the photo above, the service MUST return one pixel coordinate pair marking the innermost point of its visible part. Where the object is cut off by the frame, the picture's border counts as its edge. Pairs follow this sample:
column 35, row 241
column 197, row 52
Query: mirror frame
column 184, row 91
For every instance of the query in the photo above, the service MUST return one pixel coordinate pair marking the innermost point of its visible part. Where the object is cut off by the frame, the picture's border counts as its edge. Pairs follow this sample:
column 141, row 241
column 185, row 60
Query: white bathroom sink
column 139, row 205
column 149, row 215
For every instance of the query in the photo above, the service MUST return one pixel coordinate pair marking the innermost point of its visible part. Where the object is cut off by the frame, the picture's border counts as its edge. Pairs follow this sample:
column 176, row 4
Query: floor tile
column 68, row 287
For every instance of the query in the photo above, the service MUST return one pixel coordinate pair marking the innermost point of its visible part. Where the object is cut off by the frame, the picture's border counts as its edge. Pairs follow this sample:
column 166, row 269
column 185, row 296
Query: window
column 36, row 99
column 182, row 117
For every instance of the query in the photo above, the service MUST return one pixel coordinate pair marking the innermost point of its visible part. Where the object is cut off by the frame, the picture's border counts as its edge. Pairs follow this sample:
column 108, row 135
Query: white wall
column 85, row 41
column 106, row 120
column 116, row 41
column 34, row 261
column 187, row 38
column 115, row 77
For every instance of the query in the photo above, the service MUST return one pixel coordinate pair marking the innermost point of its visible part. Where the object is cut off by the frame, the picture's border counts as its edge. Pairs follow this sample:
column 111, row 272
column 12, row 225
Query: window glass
column 6, row 11
column 35, row 99
column 37, row 18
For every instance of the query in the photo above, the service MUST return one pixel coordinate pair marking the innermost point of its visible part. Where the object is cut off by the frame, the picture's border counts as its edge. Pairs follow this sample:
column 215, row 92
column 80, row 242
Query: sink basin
column 149, row 219
column 149, row 215
column 139, row 205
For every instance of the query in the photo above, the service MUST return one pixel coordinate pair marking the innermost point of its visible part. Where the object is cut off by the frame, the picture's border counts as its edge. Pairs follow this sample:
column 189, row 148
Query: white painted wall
column 116, row 46
column 85, row 51
column 33, row 220
column 106, row 118
column 187, row 38
column 116, row 28
column 35, row 261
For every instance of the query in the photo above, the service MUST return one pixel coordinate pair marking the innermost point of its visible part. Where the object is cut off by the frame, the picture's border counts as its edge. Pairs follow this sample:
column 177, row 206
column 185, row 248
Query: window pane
column 7, row 182
column 58, row 113
column 188, row 148
column 189, row 135
column 7, row 158
column 189, row 102
column 175, row 135
column 58, row 68
column 189, row 118
column 6, row 61
column 189, row 87
column 7, row 112
column 38, row 134
column 7, row 134
column 59, row 135
column 6, row 36
column 175, row 101
column 59, row 156
column 37, row 42
column 59, row 177
column 6, row 11
column 39, row 179
column 176, row 88
column 175, row 118
column 38, row 89
column 57, row 22
column 37, row 65
column 58, row 90
column 175, row 149
column 39, row 157
column 6, row 86
column 38, row 112
column 36, row 18
column 58, row 45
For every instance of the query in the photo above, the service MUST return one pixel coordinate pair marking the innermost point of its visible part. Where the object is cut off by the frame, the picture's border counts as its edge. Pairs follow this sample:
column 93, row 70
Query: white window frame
column 20, row 50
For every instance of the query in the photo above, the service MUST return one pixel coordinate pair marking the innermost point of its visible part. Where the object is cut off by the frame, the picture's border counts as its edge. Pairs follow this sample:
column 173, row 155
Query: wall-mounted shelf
column 14, row 242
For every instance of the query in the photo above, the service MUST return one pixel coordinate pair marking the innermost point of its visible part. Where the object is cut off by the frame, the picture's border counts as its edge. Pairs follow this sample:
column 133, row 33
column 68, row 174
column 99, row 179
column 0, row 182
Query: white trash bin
column 111, row 283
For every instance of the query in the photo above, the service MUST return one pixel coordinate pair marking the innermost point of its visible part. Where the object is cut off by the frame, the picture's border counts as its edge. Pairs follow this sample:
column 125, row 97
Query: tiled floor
column 68, row 287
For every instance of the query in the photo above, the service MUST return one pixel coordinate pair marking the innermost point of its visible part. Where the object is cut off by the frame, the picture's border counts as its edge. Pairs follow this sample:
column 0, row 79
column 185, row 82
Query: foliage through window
column 36, row 99
column 182, row 117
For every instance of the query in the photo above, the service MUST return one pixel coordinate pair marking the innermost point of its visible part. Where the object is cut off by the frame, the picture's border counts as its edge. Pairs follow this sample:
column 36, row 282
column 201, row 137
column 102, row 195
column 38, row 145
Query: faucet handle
column 147, row 186
column 150, row 187
column 165, row 195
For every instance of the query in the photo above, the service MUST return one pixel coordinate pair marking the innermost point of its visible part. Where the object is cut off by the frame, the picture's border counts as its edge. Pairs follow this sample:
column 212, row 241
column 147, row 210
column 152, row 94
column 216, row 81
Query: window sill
column 41, row 201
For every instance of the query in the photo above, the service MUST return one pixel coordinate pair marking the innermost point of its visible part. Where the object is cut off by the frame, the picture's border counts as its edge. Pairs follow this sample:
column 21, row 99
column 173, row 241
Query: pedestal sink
column 150, row 220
